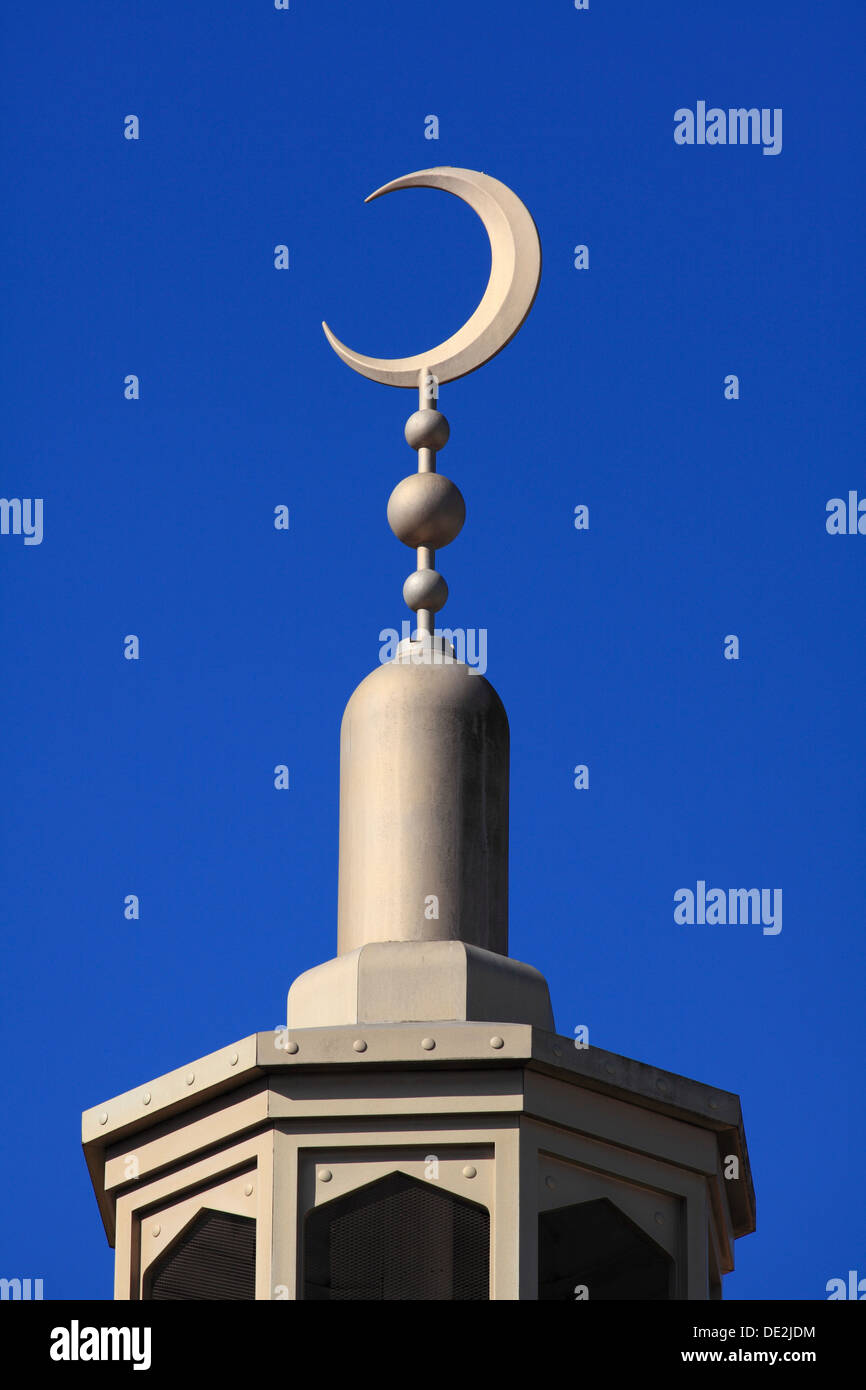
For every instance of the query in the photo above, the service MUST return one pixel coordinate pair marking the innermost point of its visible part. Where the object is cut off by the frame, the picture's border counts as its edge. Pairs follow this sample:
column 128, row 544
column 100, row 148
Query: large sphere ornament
column 426, row 509
column 427, row 429
column 425, row 589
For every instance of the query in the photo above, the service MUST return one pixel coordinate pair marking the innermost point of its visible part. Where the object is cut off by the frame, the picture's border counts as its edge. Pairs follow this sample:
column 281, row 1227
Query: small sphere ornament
column 427, row 429
column 425, row 589
column 426, row 509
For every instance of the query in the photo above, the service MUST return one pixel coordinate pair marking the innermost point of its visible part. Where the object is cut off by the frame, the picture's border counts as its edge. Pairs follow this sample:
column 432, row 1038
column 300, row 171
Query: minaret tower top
column 418, row 1130
column 423, row 883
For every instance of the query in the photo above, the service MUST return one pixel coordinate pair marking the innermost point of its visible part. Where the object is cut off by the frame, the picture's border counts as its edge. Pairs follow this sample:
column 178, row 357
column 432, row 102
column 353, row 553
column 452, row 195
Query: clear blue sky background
column 707, row 517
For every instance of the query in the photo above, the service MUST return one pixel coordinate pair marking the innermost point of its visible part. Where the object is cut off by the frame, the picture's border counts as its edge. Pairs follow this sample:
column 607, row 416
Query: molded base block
column 420, row 981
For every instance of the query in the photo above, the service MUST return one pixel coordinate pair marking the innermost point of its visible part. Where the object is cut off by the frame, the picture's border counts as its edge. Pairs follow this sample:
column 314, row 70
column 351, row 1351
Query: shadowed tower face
column 592, row 1245
column 417, row 1130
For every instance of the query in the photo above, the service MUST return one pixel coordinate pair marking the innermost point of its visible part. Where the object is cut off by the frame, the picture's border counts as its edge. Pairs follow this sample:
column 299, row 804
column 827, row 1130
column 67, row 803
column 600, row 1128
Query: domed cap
column 424, row 805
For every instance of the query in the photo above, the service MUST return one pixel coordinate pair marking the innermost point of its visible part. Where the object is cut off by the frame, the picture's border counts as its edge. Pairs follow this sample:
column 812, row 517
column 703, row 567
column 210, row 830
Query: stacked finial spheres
column 426, row 511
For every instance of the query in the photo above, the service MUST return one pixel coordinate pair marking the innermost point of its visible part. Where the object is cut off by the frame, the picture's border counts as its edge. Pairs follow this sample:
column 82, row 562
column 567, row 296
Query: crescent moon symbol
column 515, row 271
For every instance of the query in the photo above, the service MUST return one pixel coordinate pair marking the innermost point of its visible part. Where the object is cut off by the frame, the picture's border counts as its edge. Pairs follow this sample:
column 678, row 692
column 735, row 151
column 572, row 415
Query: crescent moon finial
column 515, row 272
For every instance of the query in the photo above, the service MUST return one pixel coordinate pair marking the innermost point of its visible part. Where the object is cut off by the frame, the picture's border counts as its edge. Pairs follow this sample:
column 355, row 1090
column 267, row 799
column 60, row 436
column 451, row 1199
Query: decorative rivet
column 550, row 1182
column 659, row 1219
column 248, row 1189
column 291, row 1046
column 428, row 1044
column 609, row 1067
column 557, row 1051
column 325, row 1175
column 233, row 1060
column 662, row 1086
column 469, row 1171
column 714, row 1105
column 359, row 1045
column 145, row 1100
column 103, row 1119
column 190, row 1078
column 156, row 1230
column 496, row 1041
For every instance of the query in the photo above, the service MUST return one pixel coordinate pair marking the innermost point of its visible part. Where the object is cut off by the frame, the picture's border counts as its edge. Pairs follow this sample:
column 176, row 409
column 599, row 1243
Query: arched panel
column 214, row 1257
column 397, row 1239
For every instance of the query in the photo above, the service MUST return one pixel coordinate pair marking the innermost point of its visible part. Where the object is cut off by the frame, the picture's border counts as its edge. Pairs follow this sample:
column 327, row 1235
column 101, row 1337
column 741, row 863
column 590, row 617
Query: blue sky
column 707, row 518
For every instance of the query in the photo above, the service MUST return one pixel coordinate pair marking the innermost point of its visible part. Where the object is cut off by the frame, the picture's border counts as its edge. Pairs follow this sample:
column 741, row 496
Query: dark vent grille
column 594, row 1246
column 215, row 1258
column 397, row 1238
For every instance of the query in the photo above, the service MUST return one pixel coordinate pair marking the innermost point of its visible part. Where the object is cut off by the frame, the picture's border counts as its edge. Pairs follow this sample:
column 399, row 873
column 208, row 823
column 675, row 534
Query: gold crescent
column 515, row 271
